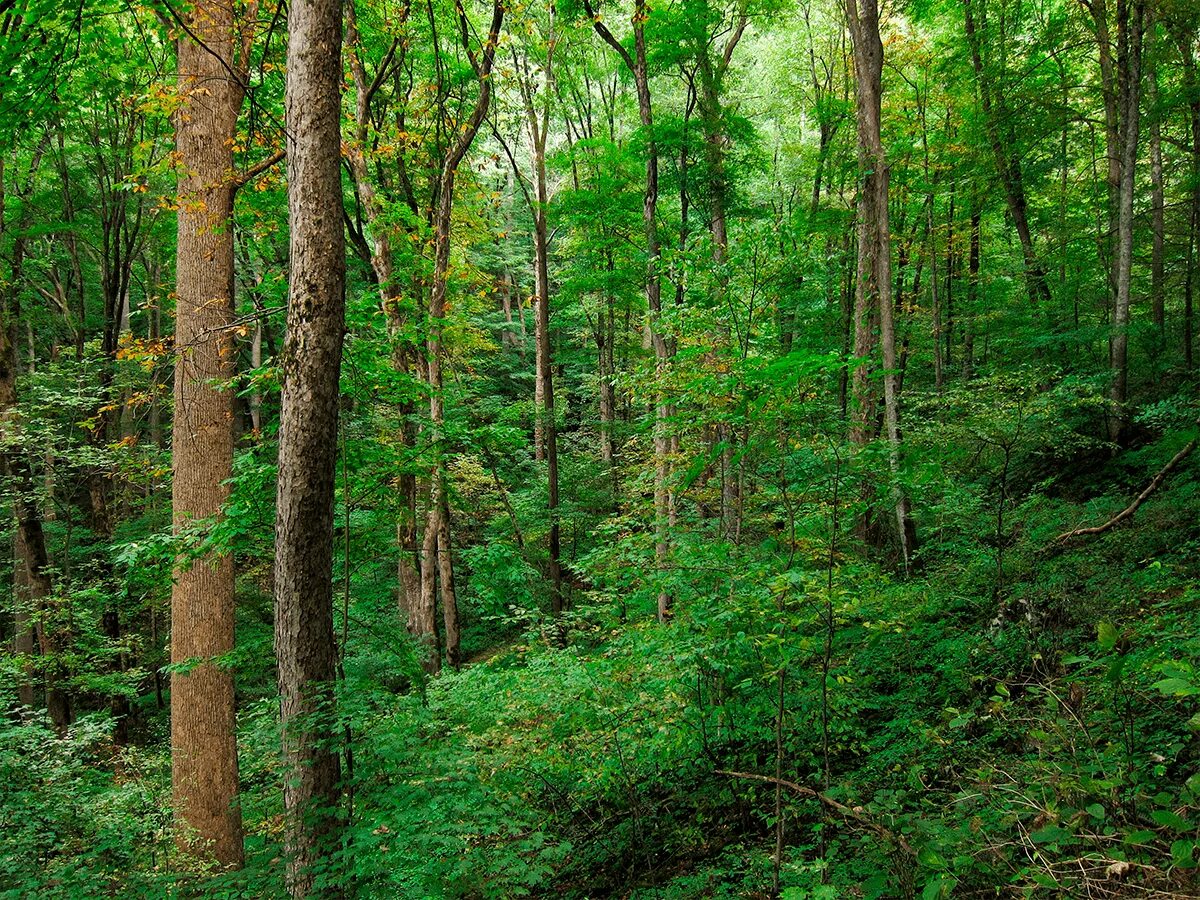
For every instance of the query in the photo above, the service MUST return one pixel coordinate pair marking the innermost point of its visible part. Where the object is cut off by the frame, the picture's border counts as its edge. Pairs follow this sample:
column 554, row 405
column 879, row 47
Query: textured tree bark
column 1130, row 25
column 204, row 767
column 874, row 240
column 312, row 355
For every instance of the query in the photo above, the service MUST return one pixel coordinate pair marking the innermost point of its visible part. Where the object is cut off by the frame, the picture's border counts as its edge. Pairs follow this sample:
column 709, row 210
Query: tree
column 420, row 623
column 638, row 67
column 1121, row 92
column 1000, row 126
column 873, row 288
column 437, row 566
column 203, row 726
column 537, row 123
column 308, row 431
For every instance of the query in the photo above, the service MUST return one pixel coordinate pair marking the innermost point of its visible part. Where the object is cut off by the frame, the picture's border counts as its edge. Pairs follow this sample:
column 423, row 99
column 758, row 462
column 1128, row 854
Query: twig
column 847, row 811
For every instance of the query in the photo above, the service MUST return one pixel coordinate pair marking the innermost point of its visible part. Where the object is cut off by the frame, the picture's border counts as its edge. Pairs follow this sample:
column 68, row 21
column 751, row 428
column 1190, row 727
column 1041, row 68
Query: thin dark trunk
column 997, row 121
column 1129, row 37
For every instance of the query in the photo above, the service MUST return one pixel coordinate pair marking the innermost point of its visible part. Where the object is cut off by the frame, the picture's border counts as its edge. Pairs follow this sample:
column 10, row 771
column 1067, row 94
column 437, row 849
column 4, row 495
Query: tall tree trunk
column 204, row 766
column 1191, row 80
column 874, row 240
column 998, row 125
column 636, row 63
column 1130, row 22
column 973, row 259
column 436, row 556
column 546, row 380
column 1157, row 209
column 546, row 437
column 1109, row 90
column 712, row 78
column 15, row 460
column 308, row 437
column 23, row 620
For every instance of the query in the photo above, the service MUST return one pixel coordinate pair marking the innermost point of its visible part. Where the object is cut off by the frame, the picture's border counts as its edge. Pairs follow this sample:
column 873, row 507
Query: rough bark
column 304, row 639
column 204, row 772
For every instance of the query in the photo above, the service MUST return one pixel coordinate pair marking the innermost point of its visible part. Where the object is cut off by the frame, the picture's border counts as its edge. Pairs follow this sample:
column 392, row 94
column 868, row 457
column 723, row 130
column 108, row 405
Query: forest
column 599, row 449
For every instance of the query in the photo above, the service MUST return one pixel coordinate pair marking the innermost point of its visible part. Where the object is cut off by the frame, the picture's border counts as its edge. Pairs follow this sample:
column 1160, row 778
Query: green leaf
column 927, row 856
column 1183, row 854
column 1050, row 834
column 1169, row 819
column 938, row 887
column 1177, row 687
column 1107, row 635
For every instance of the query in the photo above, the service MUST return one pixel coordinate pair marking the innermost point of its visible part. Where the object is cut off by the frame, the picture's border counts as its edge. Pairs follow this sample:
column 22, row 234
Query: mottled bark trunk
column 308, row 434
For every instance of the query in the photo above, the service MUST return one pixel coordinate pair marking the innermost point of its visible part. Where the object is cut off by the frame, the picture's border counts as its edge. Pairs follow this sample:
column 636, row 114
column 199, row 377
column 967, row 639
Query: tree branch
column 257, row 169
column 602, row 30
column 1141, row 498
column 849, row 812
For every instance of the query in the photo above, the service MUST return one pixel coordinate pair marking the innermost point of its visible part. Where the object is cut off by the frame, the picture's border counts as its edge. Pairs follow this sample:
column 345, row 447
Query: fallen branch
column 848, row 811
column 1128, row 511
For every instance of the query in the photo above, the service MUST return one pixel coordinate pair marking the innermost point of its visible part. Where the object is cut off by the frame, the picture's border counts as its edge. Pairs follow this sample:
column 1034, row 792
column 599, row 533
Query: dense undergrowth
column 976, row 731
